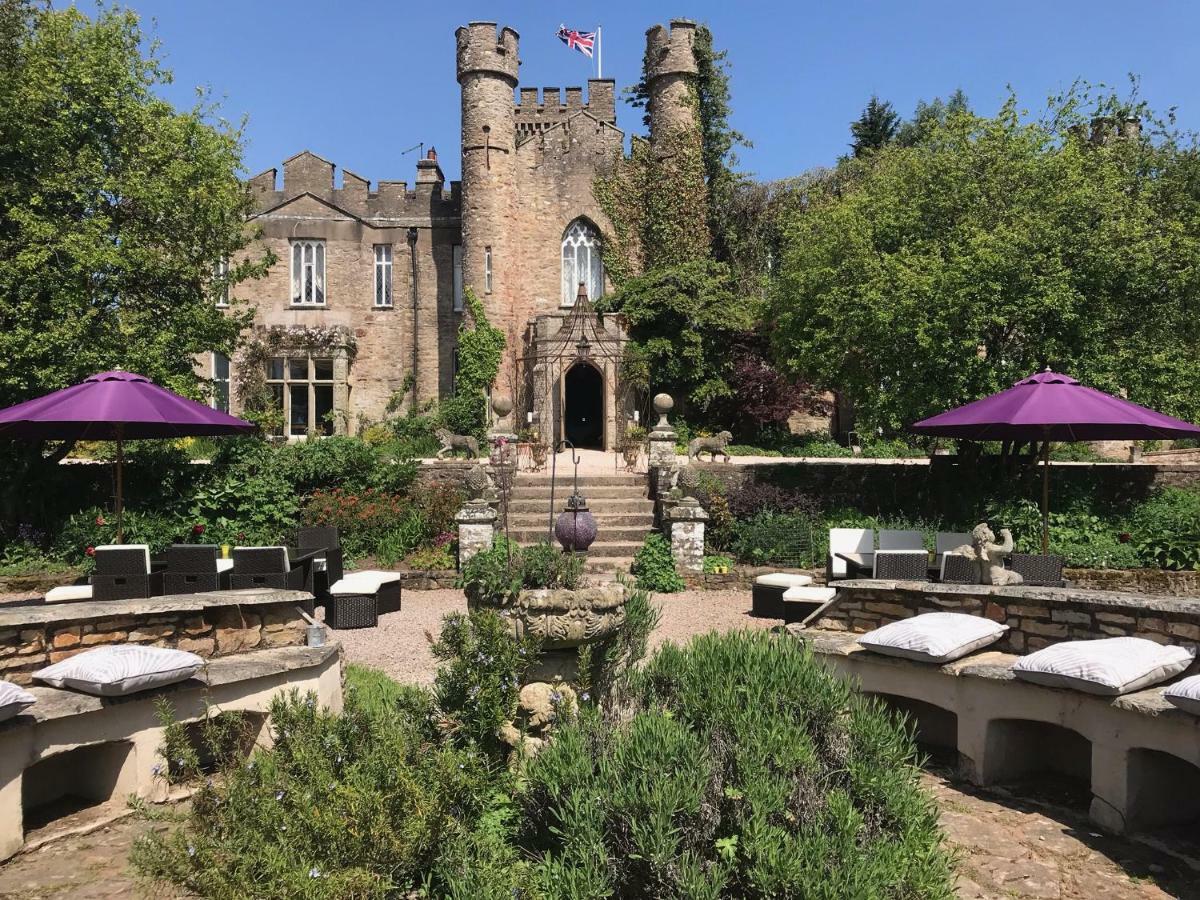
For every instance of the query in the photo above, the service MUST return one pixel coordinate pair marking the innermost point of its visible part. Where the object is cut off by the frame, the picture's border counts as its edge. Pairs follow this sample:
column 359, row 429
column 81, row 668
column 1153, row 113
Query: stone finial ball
column 663, row 403
column 502, row 405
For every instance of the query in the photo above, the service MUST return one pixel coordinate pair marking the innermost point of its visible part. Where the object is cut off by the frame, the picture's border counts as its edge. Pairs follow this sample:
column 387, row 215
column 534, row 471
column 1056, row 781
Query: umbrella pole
column 120, row 486
column 1045, row 497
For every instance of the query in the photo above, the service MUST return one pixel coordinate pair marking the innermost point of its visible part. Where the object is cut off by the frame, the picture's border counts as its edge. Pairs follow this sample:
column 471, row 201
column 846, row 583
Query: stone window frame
column 382, row 298
column 581, row 236
column 221, row 382
column 299, row 264
column 221, row 275
column 487, row 270
column 282, row 379
column 456, row 256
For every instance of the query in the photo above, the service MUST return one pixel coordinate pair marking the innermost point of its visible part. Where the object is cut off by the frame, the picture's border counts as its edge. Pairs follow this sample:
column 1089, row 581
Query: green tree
column 928, row 115
column 875, row 128
column 115, row 209
column 929, row 276
column 683, row 320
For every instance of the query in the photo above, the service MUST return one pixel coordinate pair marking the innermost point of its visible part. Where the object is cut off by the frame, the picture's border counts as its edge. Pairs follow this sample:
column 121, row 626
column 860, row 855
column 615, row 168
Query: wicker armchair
column 192, row 568
column 123, row 573
column 327, row 568
column 902, row 565
column 957, row 569
column 1036, row 569
column 265, row 567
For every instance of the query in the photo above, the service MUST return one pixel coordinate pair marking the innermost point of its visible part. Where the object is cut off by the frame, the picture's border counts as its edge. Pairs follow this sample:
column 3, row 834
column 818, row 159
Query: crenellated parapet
column 536, row 111
column 307, row 173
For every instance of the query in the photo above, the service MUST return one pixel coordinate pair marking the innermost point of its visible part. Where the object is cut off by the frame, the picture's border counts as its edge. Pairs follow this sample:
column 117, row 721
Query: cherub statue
column 988, row 556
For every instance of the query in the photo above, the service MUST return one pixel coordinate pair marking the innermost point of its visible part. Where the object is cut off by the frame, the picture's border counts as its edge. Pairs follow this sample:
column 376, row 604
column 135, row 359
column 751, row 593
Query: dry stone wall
column 32, row 637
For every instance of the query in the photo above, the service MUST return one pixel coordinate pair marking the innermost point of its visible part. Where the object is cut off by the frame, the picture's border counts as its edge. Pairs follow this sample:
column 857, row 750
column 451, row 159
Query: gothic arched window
column 581, row 262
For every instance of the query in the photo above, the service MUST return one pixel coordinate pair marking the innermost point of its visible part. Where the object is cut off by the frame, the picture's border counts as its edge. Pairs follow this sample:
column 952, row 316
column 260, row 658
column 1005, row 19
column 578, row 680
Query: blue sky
column 360, row 81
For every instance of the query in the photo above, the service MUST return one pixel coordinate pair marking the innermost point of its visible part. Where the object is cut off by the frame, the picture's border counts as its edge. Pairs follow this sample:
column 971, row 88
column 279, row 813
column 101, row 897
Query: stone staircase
column 624, row 515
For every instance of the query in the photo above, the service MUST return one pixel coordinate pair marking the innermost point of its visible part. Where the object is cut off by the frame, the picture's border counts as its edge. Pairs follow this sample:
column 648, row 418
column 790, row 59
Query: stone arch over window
column 581, row 261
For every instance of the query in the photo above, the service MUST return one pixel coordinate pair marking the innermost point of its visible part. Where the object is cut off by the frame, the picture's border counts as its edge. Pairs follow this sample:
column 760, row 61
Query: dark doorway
column 583, row 413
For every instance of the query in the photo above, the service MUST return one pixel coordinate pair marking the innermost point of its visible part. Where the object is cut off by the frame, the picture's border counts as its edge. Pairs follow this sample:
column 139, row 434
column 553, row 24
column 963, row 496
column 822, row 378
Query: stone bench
column 99, row 751
column 1138, row 754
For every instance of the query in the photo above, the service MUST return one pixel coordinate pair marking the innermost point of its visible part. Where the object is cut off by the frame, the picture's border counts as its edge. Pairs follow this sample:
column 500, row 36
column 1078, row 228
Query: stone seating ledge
column 987, row 664
column 26, row 615
column 58, row 703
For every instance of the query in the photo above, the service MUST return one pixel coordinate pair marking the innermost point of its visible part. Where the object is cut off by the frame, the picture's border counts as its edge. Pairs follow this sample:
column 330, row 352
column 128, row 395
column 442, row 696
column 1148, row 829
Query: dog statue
column 713, row 445
column 988, row 556
column 452, row 442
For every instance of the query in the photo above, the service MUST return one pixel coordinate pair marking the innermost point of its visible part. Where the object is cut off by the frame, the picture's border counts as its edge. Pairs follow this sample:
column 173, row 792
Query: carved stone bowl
column 563, row 619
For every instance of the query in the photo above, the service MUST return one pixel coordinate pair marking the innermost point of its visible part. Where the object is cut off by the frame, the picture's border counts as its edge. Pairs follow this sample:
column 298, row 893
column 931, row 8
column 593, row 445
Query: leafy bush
column 546, row 566
column 775, row 537
column 364, row 519
column 436, row 558
column 478, row 684
column 440, row 501
column 654, row 566
column 409, row 533
column 747, row 770
column 91, row 528
column 752, row 497
column 714, row 562
column 1166, row 529
column 362, row 804
column 22, row 558
column 493, row 576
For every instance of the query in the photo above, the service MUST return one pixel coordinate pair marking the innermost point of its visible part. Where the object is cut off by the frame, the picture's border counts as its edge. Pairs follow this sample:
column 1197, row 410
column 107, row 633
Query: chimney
column 428, row 170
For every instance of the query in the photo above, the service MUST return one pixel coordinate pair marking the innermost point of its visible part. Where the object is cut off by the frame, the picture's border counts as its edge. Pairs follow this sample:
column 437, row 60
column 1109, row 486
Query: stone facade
column 1036, row 616
column 209, row 625
column 529, row 162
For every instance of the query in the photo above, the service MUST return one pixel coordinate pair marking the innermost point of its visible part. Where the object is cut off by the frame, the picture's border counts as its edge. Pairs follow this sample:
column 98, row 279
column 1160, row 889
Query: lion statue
column 713, row 445
column 452, row 442
column 988, row 556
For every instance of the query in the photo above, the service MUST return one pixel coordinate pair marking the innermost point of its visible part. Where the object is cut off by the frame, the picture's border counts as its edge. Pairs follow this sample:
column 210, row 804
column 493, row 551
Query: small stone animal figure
column 713, row 445
column 452, row 442
column 988, row 556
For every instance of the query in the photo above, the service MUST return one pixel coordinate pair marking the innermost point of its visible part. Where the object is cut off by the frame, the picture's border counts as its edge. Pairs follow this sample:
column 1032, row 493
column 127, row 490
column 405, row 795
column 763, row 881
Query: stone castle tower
column 384, row 266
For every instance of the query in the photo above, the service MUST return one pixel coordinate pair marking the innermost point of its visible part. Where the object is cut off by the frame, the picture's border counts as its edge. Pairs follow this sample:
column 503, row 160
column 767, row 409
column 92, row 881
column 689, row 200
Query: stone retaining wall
column 1136, row 581
column 209, row 625
column 1036, row 616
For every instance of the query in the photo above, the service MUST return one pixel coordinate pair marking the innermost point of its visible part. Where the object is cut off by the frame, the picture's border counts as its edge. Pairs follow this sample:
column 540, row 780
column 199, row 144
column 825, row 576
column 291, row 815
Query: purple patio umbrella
column 1048, row 407
column 115, row 406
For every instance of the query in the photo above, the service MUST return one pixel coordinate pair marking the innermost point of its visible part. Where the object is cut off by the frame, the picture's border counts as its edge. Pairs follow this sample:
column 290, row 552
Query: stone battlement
column 308, row 173
column 533, row 113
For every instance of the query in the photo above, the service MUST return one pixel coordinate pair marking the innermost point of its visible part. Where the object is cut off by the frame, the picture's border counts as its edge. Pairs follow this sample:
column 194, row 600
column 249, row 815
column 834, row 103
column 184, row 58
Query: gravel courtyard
column 400, row 646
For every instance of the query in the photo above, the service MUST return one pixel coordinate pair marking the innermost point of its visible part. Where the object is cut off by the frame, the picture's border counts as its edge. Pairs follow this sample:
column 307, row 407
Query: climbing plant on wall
column 480, row 350
column 258, row 405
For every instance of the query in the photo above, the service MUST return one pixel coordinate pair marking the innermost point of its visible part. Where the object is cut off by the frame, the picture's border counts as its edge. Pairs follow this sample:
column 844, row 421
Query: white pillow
column 1108, row 666
column 784, row 580
column 1185, row 694
column 121, row 669
column 934, row 637
column 13, row 700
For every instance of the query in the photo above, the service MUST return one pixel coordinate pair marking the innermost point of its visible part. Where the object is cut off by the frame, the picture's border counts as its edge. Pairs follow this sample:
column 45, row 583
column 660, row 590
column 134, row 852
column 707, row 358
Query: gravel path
column 400, row 646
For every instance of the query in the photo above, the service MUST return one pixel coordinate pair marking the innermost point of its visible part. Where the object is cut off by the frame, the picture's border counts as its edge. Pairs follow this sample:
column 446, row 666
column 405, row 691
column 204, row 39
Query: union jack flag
column 583, row 41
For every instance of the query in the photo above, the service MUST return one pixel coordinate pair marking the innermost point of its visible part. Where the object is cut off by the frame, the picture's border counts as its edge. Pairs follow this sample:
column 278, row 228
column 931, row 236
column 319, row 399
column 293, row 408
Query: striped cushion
column 13, row 700
column 1109, row 666
column 121, row 669
column 1185, row 694
column 934, row 637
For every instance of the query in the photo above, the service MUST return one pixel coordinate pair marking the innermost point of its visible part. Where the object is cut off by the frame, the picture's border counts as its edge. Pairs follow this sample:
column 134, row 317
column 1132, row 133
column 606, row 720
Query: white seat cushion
column 784, row 580
column 1109, row 666
column 934, row 637
column 14, row 699
column 804, row 594
column 368, row 581
column 224, row 565
column 121, row 669
column 68, row 592
column 1185, row 694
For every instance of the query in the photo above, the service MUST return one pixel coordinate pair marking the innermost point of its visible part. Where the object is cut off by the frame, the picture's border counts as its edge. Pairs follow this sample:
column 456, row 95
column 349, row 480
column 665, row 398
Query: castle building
column 360, row 313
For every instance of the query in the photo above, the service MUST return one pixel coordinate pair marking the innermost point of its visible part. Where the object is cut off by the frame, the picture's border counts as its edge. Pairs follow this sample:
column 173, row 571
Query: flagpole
column 599, row 56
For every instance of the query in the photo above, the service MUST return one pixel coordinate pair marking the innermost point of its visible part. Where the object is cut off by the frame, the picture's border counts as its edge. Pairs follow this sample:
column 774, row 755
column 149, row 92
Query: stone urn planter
column 563, row 620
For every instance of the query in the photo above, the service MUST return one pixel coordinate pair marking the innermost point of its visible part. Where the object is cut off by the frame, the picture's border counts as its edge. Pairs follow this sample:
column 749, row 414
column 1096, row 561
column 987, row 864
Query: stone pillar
column 686, row 520
column 662, row 437
column 476, row 526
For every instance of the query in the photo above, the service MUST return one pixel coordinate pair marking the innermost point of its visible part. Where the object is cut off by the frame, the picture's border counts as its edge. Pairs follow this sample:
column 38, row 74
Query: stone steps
column 634, row 535
column 519, row 505
column 645, row 521
column 603, row 492
column 525, row 480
